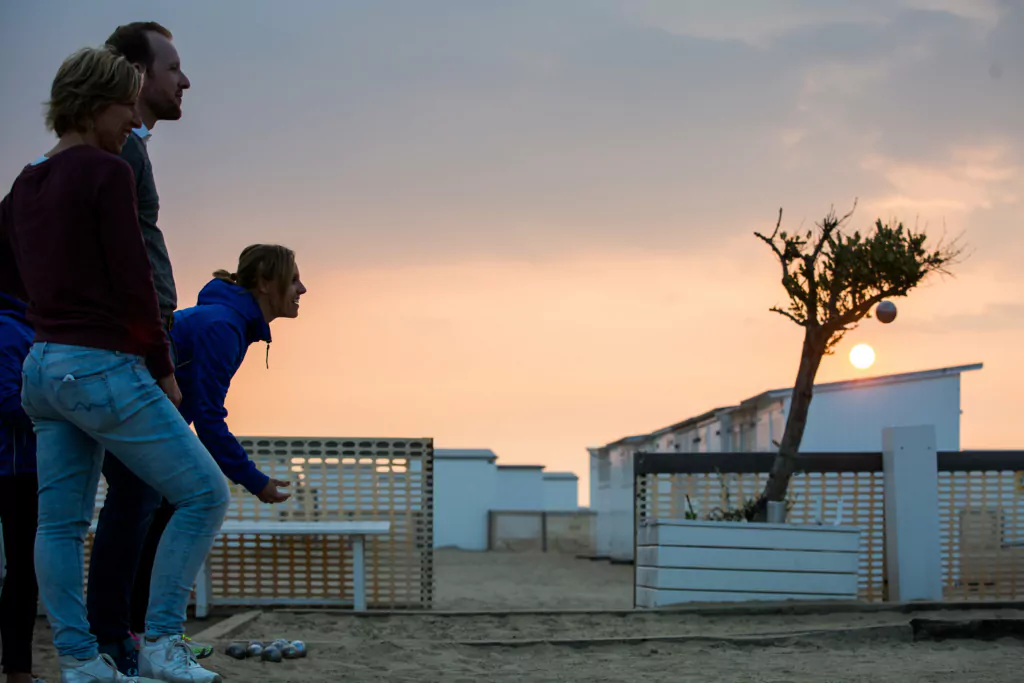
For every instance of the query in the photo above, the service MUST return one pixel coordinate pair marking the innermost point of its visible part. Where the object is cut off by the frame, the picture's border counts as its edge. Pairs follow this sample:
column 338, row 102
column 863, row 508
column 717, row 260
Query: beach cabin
column 561, row 492
column 846, row 416
column 470, row 488
column 519, row 487
column 465, row 482
column 600, row 503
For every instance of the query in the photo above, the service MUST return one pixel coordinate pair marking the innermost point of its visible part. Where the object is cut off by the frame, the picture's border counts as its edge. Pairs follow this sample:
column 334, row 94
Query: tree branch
column 831, row 306
column 827, row 230
column 788, row 315
column 833, row 302
column 812, row 289
column 770, row 241
column 784, row 260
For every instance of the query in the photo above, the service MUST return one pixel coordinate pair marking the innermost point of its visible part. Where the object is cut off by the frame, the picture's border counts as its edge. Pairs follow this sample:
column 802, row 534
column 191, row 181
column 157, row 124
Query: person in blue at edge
column 210, row 341
column 19, row 501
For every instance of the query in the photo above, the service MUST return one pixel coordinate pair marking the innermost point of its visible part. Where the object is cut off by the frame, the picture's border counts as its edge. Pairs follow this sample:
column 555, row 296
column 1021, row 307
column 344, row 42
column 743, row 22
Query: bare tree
column 833, row 281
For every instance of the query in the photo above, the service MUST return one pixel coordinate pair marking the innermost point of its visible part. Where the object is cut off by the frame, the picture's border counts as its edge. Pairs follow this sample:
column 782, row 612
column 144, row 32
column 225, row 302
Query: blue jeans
column 84, row 401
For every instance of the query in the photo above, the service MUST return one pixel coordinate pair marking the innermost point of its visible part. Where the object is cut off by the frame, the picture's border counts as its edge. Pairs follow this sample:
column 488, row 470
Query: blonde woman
column 99, row 373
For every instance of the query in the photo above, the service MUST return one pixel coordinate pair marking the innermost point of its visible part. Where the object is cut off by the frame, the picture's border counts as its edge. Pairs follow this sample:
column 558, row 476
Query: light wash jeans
column 85, row 400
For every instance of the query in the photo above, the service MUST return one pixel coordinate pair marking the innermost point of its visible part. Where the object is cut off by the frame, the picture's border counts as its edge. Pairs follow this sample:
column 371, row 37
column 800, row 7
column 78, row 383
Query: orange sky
column 528, row 226
column 538, row 362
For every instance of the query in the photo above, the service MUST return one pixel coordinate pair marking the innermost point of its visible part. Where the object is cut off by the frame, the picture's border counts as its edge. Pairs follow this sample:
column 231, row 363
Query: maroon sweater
column 70, row 230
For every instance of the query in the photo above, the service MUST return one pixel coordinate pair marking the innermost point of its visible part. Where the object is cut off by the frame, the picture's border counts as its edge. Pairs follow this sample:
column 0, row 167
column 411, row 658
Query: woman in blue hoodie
column 210, row 340
column 19, row 507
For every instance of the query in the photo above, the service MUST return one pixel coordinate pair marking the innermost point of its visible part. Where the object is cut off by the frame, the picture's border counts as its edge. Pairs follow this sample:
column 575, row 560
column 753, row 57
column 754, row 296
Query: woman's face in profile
column 113, row 124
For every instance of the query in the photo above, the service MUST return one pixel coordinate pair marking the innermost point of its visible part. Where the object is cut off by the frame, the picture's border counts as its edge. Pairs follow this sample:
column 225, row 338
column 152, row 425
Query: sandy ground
column 473, row 581
column 439, row 647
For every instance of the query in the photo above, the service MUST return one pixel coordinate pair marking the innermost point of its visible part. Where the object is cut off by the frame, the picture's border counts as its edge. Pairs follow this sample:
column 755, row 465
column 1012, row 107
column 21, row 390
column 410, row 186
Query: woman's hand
column 170, row 387
column 271, row 494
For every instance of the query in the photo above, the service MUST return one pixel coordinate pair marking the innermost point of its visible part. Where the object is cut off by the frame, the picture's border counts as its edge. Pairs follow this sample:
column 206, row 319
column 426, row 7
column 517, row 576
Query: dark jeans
column 117, row 547
column 140, row 591
column 19, row 513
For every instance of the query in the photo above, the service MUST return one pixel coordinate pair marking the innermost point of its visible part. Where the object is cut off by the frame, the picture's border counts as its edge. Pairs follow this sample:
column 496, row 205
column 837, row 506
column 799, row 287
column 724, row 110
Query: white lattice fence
column 815, row 497
column 981, row 508
column 331, row 479
column 982, row 531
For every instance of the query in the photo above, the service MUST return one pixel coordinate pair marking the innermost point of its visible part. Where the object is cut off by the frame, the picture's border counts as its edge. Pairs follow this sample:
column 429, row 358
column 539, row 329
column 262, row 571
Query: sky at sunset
column 528, row 226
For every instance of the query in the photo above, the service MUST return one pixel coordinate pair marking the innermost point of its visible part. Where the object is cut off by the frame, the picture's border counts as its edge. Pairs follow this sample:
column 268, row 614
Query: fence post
column 912, row 548
column 490, row 530
column 544, row 530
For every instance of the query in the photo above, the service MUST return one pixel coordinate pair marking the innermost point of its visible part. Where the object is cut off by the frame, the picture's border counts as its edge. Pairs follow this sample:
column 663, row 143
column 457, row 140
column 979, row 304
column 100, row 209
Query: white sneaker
column 170, row 659
column 99, row 670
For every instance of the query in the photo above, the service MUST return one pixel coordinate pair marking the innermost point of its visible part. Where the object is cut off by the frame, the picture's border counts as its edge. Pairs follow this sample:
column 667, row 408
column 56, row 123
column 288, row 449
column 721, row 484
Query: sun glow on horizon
column 862, row 356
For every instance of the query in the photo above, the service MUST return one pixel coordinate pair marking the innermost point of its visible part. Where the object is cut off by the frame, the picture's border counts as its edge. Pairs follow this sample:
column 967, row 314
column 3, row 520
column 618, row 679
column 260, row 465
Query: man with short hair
column 130, row 503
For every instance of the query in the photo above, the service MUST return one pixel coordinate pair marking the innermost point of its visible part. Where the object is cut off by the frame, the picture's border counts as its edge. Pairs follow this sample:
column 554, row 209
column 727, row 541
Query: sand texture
column 831, row 647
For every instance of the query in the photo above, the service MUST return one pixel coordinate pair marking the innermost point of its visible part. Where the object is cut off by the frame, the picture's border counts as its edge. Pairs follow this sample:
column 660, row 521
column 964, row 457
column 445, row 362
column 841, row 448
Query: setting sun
column 862, row 356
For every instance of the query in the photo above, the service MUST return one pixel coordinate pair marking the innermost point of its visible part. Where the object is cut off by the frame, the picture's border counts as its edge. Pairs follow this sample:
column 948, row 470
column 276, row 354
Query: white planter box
column 679, row 561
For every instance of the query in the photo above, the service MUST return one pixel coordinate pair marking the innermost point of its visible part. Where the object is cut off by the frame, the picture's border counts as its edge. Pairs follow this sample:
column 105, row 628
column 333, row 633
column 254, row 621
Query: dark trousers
column 19, row 514
column 140, row 591
column 121, row 533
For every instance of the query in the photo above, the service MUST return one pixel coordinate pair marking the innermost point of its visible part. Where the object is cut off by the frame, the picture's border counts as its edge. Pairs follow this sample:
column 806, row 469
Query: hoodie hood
column 211, row 340
column 15, row 308
column 240, row 300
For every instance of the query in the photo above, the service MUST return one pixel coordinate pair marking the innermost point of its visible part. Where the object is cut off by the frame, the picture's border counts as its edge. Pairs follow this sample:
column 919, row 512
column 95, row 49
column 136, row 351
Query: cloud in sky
column 495, row 128
column 992, row 317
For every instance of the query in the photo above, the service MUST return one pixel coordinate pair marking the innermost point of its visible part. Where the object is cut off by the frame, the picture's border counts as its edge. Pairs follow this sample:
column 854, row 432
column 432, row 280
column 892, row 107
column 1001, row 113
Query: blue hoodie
column 17, row 440
column 210, row 341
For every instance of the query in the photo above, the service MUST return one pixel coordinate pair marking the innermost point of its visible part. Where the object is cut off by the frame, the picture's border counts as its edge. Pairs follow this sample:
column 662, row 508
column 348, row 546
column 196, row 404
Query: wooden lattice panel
column 815, row 497
column 331, row 479
column 334, row 479
column 982, row 534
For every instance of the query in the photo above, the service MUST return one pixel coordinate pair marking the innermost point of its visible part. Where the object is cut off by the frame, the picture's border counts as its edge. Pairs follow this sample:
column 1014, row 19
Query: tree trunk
column 796, row 421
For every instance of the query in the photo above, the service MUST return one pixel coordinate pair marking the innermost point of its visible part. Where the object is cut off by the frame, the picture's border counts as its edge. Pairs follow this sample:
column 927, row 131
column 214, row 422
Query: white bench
column 358, row 531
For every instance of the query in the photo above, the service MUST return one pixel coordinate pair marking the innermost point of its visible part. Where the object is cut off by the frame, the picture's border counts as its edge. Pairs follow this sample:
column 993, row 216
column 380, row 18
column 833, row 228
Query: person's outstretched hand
column 271, row 493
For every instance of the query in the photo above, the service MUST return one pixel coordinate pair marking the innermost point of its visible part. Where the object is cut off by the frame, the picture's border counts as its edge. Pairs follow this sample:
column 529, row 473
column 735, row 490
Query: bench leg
column 203, row 592
column 358, row 574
